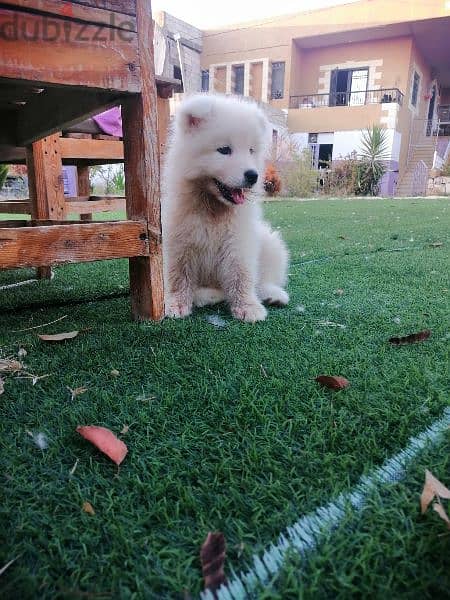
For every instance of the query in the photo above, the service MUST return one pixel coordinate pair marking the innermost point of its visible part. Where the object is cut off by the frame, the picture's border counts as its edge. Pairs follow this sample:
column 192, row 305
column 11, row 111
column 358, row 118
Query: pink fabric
column 110, row 121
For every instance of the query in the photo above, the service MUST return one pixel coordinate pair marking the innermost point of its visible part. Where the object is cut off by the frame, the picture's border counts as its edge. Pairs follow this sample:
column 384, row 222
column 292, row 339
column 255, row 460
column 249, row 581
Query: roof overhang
column 432, row 37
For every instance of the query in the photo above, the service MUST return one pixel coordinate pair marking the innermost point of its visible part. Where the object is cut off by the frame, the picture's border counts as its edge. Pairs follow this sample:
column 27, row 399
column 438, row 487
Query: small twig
column 263, row 371
column 39, row 326
column 73, row 469
column 3, row 569
column 17, row 284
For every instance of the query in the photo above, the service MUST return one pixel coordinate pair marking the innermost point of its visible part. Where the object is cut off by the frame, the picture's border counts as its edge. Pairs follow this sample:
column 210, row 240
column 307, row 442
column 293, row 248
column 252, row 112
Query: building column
column 265, row 81
column 247, row 78
column 228, row 79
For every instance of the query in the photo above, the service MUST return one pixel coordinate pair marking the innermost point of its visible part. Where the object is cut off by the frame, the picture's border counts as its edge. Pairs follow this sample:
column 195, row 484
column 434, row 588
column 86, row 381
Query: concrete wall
column 190, row 46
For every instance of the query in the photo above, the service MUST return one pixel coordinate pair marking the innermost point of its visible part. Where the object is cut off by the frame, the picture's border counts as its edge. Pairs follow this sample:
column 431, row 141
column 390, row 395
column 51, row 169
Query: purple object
column 110, row 121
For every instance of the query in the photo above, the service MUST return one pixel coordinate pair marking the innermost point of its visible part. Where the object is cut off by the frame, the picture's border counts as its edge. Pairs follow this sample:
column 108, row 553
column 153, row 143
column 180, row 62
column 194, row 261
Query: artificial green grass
column 228, row 429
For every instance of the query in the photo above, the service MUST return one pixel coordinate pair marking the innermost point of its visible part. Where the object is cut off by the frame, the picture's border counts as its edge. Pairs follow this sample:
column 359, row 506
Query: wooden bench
column 99, row 54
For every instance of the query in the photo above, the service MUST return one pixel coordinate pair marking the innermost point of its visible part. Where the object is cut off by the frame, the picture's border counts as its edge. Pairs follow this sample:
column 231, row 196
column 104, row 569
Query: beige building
column 339, row 70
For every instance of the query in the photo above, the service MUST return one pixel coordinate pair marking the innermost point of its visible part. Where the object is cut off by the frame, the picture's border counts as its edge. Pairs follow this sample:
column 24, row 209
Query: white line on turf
column 304, row 535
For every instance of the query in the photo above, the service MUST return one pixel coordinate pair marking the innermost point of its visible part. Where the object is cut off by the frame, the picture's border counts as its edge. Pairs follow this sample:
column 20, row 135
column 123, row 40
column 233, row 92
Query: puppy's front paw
column 249, row 312
column 177, row 309
column 275, row 296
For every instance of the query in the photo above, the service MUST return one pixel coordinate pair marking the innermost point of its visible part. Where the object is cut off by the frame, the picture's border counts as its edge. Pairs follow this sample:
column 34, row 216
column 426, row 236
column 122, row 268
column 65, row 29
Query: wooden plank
column 163, row 124
column 72, row 56
column 87, row 207
column 45, row 180
column 84, row 189
column 127, row 7
column 91, row 149
column 15, row 223
column 15, row 207
column 139, row 116
column 58, row 244
column 82, row 12
column 57, row 109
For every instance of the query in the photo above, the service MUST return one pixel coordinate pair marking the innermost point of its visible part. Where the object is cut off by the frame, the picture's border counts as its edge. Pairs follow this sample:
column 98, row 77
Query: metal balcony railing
column 385, row 95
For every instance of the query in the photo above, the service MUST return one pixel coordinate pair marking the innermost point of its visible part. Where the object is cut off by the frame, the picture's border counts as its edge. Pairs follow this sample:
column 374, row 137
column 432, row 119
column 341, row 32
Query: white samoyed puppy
column 216, row 245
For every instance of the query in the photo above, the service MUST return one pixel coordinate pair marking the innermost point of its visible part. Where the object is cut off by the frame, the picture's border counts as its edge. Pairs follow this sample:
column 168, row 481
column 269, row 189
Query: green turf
column 228, row 429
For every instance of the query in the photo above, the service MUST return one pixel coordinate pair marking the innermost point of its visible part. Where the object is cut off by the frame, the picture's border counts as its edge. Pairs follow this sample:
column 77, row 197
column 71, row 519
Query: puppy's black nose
column 251, row 177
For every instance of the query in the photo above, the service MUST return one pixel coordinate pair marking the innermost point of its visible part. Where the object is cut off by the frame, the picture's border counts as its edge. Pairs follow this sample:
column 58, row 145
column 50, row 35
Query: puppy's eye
column 224, row 150
column 251, row 151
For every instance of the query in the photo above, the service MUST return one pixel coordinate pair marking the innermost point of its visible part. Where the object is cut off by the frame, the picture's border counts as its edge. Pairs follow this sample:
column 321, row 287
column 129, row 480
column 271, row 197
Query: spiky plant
column 3, row 174
column 372, row 165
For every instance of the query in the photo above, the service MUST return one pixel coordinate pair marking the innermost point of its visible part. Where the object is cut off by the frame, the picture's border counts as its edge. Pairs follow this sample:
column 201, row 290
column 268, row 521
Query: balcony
column 382, row 96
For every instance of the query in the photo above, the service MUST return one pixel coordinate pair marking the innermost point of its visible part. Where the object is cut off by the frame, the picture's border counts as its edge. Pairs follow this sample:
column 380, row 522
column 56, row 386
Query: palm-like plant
column 3, row 174
column 371, row 166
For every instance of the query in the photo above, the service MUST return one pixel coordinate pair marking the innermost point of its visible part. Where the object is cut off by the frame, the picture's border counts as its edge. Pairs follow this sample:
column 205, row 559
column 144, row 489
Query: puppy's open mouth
column 233, row 195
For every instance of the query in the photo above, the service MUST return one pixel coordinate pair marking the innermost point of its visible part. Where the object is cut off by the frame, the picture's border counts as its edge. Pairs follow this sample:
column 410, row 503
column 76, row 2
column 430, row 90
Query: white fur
column 214, row 249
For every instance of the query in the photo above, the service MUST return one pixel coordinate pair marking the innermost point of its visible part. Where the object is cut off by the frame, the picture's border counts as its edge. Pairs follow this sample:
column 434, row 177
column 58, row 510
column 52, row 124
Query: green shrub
column 300, row 178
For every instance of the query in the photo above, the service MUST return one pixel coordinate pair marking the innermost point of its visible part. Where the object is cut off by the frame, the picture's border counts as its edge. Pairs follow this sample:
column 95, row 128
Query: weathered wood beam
column 58, row 244
column 32, row 47
column 142, row 188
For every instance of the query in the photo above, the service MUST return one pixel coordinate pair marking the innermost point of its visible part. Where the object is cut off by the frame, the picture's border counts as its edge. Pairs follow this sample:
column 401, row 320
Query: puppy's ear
column 194, row 112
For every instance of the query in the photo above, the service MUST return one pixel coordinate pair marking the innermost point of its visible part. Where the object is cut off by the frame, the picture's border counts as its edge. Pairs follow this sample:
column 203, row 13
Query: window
column 415, row 89
column 348, row 87
column 205, row 80
column 177, row 74
column 277, row 90
column 238, row 72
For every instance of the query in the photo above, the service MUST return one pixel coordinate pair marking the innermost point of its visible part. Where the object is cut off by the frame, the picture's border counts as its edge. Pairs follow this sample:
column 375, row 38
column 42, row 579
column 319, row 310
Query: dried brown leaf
column 2, row 386
column 437, row 506
column 212, row 558
column 114, row 373
column 433, row 487
column 88, row 508
column 339, row 292
column 334, row 382
column 125, row 429
column 412, row 338
column 77, row 391
column 436, row 244
column 10, row 365
column 21, row 353
column 58, row 337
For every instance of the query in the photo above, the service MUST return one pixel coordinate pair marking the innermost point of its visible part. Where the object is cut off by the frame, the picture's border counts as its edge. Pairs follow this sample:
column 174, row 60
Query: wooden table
column 61, row 62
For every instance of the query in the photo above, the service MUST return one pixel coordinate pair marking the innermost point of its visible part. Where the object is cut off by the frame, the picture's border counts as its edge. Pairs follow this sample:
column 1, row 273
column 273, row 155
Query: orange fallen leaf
column 57, row 337
column 334, row 382
column 212, row 558
column 433, row 487
column 88, row 508
column 105, row 441
column 412, row 338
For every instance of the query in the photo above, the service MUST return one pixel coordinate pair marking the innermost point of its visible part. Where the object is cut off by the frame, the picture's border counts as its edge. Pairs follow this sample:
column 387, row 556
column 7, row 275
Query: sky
column 206, row 14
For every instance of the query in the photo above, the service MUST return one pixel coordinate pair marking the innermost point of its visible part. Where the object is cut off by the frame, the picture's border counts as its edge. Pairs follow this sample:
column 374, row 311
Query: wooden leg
column 45, row 184
column 141, row 158
column 163, row 123
column 84, row 188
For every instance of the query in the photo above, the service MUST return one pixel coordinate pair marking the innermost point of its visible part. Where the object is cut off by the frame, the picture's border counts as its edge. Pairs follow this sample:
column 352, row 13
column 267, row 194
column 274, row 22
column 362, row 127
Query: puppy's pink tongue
column 238, row 196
